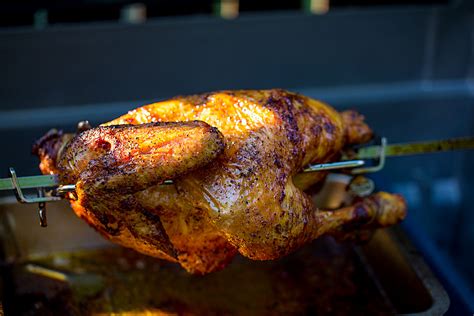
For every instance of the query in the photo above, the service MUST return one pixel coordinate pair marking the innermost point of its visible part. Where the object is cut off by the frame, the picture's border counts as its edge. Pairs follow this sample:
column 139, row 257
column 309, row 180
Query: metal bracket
column 381, row 160
column 41, row 199
column 22, row 198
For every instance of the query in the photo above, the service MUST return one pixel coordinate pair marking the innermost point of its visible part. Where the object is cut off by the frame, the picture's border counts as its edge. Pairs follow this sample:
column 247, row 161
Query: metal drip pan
column 69, row 269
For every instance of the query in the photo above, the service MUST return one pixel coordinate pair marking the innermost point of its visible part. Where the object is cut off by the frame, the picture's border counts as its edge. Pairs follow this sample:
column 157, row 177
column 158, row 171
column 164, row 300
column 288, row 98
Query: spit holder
column 41, row 198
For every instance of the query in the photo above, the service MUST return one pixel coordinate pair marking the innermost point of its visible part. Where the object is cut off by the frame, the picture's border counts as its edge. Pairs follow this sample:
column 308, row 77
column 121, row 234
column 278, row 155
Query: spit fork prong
column 42, row 209
column 22, row 198
column 380, row 160
column 41, row 198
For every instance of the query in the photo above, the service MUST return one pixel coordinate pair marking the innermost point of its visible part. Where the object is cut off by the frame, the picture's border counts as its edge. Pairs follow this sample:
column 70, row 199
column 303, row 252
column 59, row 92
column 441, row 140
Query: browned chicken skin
column 248, row 198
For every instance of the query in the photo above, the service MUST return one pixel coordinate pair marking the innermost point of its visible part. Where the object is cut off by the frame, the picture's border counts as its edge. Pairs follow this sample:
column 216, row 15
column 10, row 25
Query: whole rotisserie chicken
column 234, row 157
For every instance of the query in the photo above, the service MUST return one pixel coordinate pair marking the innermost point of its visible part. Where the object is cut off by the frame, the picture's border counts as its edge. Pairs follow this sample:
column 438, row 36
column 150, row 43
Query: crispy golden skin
column 249, row 197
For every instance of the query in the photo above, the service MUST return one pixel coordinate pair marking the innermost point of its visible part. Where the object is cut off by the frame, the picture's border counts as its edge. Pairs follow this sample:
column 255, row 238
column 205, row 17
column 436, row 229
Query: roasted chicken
column 237, row 185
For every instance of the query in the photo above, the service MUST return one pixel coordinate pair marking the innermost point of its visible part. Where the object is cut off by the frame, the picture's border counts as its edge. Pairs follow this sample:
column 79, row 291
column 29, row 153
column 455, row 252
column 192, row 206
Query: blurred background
column 406, row 65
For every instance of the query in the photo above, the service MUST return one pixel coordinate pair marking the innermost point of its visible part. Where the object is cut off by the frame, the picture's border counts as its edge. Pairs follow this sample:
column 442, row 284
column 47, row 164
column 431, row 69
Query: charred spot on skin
column 150, row 216
column 282, row 103
column 305, row 221
column 277, row 161
column 316, row 130
column 128, row 204
column 278, row 229
column 298, row 98
column 102, row 144
column 214, row 130
column 113, row 230
column 158, row 210
column 360, row 217
column 219, row 139
column 282, row 196
column 360, row 213
column 111, row 219
column 281, row 181
column 329, row 127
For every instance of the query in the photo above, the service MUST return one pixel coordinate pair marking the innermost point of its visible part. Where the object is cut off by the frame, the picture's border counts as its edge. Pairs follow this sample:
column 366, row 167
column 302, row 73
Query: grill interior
column 72, row 270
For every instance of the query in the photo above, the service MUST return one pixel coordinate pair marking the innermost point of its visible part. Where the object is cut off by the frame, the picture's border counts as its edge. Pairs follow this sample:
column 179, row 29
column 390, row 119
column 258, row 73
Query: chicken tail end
column 48, row 149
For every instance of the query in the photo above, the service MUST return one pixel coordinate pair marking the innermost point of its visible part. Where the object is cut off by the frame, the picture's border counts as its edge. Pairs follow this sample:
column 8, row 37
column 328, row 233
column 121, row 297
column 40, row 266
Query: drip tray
column 69, row 269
